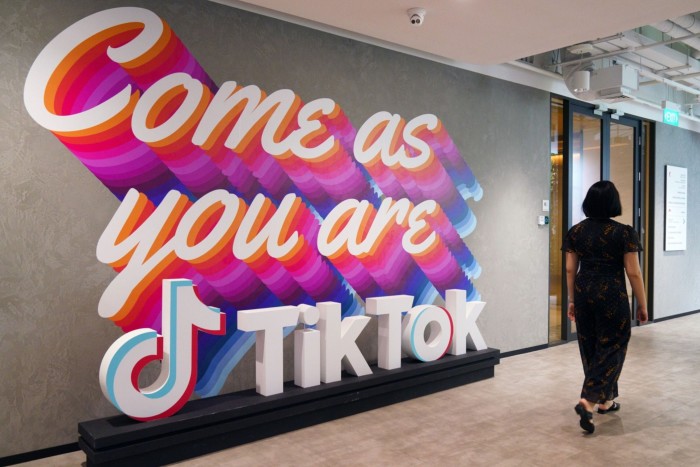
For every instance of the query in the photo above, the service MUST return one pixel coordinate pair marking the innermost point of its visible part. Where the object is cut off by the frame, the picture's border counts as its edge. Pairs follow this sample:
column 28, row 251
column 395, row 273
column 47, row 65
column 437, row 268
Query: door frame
column 605, row 119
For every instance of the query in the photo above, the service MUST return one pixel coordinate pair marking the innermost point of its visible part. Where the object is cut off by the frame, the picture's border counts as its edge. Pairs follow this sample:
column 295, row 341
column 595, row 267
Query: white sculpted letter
column 268, row 324
column 338, row 343
column 389, row 310
column 307, row 349
column 464, row 314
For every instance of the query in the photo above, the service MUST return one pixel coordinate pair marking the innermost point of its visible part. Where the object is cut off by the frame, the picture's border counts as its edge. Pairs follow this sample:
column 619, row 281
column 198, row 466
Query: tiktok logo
column 183, row 315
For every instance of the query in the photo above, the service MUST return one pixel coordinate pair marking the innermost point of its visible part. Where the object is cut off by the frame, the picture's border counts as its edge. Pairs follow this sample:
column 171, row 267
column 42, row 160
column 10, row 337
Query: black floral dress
column 601, row 303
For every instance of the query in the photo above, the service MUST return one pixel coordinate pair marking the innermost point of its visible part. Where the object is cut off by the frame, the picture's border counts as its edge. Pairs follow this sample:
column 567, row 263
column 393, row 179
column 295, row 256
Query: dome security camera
column 416, row 16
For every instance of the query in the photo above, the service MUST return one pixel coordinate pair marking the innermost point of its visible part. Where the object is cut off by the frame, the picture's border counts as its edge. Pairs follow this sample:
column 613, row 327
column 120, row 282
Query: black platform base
column 212, row 424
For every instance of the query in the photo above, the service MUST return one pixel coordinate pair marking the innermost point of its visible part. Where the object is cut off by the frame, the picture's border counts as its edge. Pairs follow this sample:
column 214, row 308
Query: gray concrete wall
column 54, row 210
column 676, row 273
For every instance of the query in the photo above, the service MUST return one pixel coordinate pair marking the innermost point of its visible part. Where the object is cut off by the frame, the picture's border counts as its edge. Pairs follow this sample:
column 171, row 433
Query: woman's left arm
column 634, row 274
column 571, row 268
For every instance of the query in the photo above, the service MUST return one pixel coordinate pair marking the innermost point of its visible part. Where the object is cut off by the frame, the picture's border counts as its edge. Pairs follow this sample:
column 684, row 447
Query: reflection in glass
column 622, row 174
column 585, row 163
column 622, row 168
column 557, row 226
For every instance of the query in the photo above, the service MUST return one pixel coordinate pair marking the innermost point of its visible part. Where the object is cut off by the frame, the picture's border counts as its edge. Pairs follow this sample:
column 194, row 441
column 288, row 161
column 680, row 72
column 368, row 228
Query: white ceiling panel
column 478, row 31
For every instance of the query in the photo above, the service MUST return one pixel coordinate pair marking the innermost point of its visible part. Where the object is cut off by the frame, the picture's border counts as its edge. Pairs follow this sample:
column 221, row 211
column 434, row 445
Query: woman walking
column 599, row 251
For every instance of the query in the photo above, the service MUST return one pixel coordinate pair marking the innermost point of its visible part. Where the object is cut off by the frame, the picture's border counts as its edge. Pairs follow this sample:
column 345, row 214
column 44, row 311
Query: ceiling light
column 580, row 49
column 581, row 81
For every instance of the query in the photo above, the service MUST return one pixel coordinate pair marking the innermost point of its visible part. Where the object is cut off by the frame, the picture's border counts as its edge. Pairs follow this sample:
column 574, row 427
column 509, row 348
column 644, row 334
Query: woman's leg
column 585, row 331
column 586, row 325
column 612, row 330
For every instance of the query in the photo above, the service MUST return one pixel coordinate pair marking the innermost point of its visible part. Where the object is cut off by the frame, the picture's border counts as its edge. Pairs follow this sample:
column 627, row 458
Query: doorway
column 588, row 145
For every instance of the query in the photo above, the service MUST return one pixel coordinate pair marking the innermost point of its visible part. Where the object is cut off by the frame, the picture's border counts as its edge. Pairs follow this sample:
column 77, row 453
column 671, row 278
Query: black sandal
column 613, row 408
column 586, row 418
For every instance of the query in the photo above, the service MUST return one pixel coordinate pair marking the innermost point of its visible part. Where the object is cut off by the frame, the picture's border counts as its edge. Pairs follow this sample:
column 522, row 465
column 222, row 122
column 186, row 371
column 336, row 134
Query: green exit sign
column 671, row 117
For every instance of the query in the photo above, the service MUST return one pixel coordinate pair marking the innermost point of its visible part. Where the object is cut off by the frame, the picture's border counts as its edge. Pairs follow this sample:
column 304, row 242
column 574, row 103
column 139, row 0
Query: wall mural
column 259, row 200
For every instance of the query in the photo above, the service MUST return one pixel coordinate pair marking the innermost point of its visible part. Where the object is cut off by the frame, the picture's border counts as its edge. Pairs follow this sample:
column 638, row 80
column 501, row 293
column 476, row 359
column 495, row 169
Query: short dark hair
column 602, row 201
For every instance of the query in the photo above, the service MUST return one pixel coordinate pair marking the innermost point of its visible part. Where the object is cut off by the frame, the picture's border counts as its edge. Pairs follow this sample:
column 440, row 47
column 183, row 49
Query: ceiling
column 535, row 34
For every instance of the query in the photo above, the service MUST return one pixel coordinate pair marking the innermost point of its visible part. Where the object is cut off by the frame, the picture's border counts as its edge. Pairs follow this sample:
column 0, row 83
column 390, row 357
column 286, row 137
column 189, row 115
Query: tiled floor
column 523, row 416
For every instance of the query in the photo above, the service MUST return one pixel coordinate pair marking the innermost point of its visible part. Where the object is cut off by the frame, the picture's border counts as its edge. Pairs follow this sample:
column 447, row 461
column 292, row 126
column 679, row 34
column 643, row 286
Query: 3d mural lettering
column 260, row 201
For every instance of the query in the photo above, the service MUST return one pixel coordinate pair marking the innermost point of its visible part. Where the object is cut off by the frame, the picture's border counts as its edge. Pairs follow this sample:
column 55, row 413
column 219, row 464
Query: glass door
column 591, row 146
column 624, row 171
column 585, row 162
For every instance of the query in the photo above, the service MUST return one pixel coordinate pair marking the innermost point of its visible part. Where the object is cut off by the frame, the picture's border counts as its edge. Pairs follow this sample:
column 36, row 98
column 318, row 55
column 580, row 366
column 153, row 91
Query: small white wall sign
column 676, row 208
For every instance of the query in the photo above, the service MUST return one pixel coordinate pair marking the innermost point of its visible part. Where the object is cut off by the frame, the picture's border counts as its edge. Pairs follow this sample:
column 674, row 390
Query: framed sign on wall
column 676, row 208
